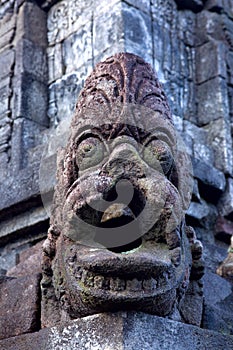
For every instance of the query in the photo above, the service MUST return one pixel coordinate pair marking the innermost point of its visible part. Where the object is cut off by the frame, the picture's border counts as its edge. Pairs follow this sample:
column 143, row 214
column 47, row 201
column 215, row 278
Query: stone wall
column 47, row 49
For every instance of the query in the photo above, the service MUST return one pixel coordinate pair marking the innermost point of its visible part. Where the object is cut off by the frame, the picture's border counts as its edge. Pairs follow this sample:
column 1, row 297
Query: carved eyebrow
column 80, row 136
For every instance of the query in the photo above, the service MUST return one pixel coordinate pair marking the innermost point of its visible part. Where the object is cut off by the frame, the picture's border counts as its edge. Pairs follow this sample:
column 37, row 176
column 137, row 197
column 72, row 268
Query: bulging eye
column 157, row 154
column 89, row 152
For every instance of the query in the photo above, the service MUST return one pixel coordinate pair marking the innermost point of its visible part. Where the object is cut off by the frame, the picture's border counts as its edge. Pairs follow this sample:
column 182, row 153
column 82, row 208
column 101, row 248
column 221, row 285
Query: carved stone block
column 138, row 33
column 226, row 202
column 67, row 17
column 55, row 63
column 219, row 136
column 7, row 30
column 63, row 95
column 31, row 24
column 19, row 317
column 108, row 30
column 143, row 5
column 88, row 265
column 7, row 59
column 5, row 93
column 215, row 53
column 77, row 50
column 212, row 96
column 30, row 99
column 31, row 58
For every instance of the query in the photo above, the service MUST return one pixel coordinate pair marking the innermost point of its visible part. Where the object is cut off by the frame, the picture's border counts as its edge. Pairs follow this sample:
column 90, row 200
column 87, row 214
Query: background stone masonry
column 47, row 49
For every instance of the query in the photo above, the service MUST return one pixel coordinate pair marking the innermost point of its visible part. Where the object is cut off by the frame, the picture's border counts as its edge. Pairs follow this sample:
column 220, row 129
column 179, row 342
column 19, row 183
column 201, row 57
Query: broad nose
column 125, row 162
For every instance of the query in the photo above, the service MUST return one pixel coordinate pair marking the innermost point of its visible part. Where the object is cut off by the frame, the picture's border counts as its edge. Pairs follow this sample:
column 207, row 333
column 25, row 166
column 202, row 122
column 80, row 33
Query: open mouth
column 116, row 216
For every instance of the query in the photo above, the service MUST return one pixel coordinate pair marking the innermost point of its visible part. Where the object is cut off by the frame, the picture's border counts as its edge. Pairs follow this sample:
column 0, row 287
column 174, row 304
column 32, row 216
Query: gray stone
column 137, row 32
column 229, row 61
column 67, row 17
column 193, row 5
column 31, row 24
column 31, row 58
column 210, row 177
column 187, row 26
column 19, row 317
column 226, row 201
column 108, row 33
column 209, row 25
column 55, row 63
column 212, row 96
column 30, row 99
column 63, row 94
column 219, row 138
column 198, row 210
column 121, row 331
column 218, row 308
column 143, row 5
column 214, row 5
column 213, row 52
column 5, row 134
column 7, row 30
column 5, row 93
column 77, row 50
column 199, row 136
column 7, row 59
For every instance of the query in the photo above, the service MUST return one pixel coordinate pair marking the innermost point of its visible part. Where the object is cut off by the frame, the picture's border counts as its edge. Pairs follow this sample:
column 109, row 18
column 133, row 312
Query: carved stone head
column 118, row 238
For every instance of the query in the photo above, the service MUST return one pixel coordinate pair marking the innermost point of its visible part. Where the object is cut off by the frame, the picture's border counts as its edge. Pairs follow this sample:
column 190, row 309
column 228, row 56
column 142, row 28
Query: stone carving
column 117, row 238
column 226, row 267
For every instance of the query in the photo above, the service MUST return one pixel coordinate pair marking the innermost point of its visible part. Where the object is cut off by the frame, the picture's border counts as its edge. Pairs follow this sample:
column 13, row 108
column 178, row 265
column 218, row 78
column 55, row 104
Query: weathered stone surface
column 212, row 96
column 219, row 137
column 213, row 52
column 199, row 136
column 143, row 5
column 193, row 5
column 7, row 30
column 31, row 24
column 224, row 229
column 31, row 58
column 5, row 92
column 226, row 201
column 209, row 25
column 218, row 306
column 108, row 31
column 7, row 59
column 214, row 5
column 137, row 32
column 55, row 63
column 19, row 317
column 118, row 280
column 198, row 210
column 67, row 17
column 121, row 332
column 209, row 176
column 77, row 50
column 20, row 223
column 29, row 262
column 63, row 95
column 30, row 99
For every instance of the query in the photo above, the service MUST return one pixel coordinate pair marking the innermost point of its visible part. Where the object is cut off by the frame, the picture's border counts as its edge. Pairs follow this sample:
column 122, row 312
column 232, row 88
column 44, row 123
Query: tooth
column 176, row 256
column 78, row 272
column 134, row 285
column 149, row 285
column 173, row 239
column 99, row 281
column 117, row 284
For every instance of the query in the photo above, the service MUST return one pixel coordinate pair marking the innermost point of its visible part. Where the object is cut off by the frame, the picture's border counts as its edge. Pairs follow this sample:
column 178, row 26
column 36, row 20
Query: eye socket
column 157, row 154
column 89, row 152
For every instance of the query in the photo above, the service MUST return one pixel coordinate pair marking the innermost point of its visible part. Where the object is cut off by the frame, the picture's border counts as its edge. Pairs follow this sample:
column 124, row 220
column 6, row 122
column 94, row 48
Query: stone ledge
column 121, row 331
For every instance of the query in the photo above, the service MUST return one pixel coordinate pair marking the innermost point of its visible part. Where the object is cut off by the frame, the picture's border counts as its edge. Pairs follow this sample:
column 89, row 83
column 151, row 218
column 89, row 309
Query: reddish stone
column 19, row 305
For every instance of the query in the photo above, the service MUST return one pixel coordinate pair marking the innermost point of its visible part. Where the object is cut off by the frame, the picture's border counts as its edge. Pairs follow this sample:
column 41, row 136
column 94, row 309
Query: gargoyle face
column 122, row 242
